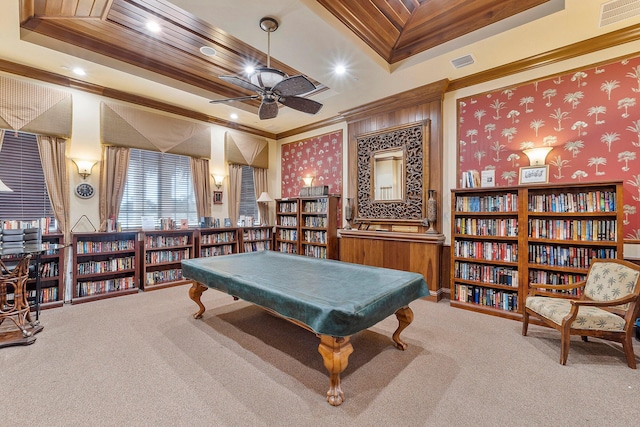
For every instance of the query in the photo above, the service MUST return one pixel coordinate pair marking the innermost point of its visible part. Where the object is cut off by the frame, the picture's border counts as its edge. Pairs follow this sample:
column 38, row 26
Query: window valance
column 247, row 150
column 135, row 128
column 33, row 108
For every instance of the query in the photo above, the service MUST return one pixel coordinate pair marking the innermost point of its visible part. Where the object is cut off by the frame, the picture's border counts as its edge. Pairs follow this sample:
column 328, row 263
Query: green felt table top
column 331, row 297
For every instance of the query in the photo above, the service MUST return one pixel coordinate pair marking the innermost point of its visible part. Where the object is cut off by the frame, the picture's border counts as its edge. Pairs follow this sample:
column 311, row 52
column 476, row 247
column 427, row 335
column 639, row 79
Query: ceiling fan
column 274, row 86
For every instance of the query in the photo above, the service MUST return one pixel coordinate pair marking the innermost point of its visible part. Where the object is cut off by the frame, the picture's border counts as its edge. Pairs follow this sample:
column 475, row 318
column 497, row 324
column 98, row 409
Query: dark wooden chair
column 606, row 309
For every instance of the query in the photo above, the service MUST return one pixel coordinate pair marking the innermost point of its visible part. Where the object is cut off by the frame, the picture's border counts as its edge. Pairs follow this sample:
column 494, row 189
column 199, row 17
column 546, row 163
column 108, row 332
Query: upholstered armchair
column 606, row 309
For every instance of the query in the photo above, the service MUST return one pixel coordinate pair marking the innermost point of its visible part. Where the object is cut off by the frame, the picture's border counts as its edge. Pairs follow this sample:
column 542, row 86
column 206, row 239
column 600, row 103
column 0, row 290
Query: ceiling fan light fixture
column 267, row 77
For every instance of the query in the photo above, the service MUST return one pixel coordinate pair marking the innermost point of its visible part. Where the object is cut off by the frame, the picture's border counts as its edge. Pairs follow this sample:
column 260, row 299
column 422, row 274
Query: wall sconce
column 84, row 167
column 537, row 156
column 218, row 180
column 308, row 180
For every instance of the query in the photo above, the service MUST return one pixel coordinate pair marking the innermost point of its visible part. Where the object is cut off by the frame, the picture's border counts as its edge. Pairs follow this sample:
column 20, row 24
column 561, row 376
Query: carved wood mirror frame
column 413, row 139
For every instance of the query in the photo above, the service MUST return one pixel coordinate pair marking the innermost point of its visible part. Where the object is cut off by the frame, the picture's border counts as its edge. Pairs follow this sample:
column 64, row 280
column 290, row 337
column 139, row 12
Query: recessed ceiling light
column 340, row 69
column 208, row 51
column 234, row 116
column 154, row 27
column 78, row 71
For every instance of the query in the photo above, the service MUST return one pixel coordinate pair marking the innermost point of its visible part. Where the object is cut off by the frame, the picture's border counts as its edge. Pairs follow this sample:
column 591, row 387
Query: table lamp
column 265, row 198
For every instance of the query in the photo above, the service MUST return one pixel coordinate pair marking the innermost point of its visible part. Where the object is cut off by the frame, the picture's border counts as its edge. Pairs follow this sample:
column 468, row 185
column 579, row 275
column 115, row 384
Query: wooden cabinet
column 216, row 241
column 163, row 251
column 104, row 265
column 318, row 232
column 287, row 226
column 253, row 239
column 505, row 238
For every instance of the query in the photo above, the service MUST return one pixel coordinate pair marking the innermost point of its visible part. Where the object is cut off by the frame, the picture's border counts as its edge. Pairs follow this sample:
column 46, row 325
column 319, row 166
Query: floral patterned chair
column 606, row 309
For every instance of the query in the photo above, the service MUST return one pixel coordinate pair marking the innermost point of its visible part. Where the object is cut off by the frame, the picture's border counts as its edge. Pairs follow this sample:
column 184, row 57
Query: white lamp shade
column 3, row 187
column 537, row 156
column 308, row 180
column 84, row 166
column 264, row 198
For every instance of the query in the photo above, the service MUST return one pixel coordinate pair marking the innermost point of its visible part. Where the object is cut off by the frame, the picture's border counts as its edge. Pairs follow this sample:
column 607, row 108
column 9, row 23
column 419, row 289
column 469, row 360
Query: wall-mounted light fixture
column 308, row 180
column 3, row 187
column 84, row 167
column 218, row 180
column 537, row 156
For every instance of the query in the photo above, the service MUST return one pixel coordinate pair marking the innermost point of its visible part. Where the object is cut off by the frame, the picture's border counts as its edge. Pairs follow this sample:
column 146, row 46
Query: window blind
column 248, row 204
column 158, row 186
column 21, row 170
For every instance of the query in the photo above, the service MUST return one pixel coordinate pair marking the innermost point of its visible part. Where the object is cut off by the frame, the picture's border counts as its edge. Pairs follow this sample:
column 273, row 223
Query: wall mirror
column 392, row 174
column 387, row 169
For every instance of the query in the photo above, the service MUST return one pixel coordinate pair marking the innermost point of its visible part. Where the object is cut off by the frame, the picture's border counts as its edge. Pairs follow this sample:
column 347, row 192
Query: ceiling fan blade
column 242, row 83
column 268, row 110
column 295, row 85
column 240, row 98
column 301, row 104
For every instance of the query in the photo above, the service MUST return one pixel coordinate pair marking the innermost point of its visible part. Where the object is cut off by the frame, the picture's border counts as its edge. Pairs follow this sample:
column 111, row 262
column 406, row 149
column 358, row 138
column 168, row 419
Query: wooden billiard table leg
column 335, row 352
column 405, row 317
column 195, row 292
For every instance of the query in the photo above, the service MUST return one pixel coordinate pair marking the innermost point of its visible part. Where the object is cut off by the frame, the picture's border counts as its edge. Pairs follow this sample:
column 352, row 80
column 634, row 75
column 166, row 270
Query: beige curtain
column 201, row 185
column 260, row 185
column 1, row 137
column 113, row 177
column 235, row 188
column 54, row 166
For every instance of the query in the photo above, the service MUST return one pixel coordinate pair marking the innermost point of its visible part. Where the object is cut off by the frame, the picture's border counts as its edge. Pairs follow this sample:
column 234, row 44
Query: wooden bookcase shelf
column 51, row 285
column 216, row 241
column 104, row 265
column 258, row 238
column 505, row 238
column 308, row 226
column 162, row 253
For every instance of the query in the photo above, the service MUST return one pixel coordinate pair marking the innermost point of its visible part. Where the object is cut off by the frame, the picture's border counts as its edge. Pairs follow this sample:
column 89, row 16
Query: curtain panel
column 247, row 150
column 235, row 188
column 260, row 185
column 113, row 178
column 33, row 108
column 201, row 186
column 135, row 128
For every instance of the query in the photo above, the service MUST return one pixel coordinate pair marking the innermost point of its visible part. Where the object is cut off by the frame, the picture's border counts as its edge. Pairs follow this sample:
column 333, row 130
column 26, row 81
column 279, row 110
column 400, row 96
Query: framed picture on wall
column 217, row 197
column 534, row 174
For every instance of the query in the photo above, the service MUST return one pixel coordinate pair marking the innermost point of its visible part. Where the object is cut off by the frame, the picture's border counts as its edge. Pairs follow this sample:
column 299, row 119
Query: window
column 248, row 204
column 158, row 186
column 21, row 170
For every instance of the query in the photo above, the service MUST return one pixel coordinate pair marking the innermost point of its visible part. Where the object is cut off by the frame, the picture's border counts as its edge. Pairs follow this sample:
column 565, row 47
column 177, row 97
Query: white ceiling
column 313, row 41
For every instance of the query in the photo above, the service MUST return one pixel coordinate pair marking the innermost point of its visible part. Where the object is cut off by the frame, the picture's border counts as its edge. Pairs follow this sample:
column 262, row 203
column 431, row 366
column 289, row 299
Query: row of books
column 562, row 256
column 489, row 274
column 491, row 251
column 574, row 229
column 256, row 234
column 314, row 251
column 288, row 234
column 591, row 201
column 288, row 248
column 288, row 221
column 157, row 257
column 210, row 239
column 163, row 276
column 502, row 227
column 46, row 224
column 288, row 207
column 507, row 202
column 556, row 278
column 315, row 221
column 315, row 207
column 487, row 296
column 104, row 286
column 470, row 179
column 49, row 269
column 49, row 294
column 106, row 246
column 106, row 266
column 160, row 241
column 315, row 236
column 257, row 246
column 216, row 251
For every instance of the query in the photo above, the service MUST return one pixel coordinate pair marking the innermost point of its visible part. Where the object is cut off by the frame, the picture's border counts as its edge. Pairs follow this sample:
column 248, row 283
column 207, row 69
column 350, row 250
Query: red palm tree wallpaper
column 590, row 119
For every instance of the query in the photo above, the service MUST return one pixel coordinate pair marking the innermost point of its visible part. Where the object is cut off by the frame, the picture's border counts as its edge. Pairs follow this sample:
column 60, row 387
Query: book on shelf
column 470, row 179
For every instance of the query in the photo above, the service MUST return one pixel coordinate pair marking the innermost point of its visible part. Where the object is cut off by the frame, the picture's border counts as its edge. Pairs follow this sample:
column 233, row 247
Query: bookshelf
column 318, row 221
column 287, row 226
column 216, row 241
column 163, row 251
column 104, row 265
column 505, row 238
column 51, row 285
column 258, row 238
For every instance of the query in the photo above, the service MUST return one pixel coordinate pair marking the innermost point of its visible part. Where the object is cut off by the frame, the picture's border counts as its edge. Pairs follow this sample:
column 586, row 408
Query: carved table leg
column 195, row 292
column 335, row 353
column 405, row 317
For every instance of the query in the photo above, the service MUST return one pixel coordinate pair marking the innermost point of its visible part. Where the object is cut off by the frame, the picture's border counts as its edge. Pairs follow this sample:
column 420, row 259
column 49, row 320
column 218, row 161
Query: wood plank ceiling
column 395, row 29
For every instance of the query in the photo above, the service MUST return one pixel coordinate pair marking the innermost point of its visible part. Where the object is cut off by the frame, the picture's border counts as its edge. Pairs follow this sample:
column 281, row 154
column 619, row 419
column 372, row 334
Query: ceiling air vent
column 463, row 61
column 618, row 10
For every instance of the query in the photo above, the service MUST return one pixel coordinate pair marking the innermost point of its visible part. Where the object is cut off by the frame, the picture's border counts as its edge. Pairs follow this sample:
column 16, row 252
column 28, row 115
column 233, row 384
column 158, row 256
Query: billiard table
column 332, row 299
